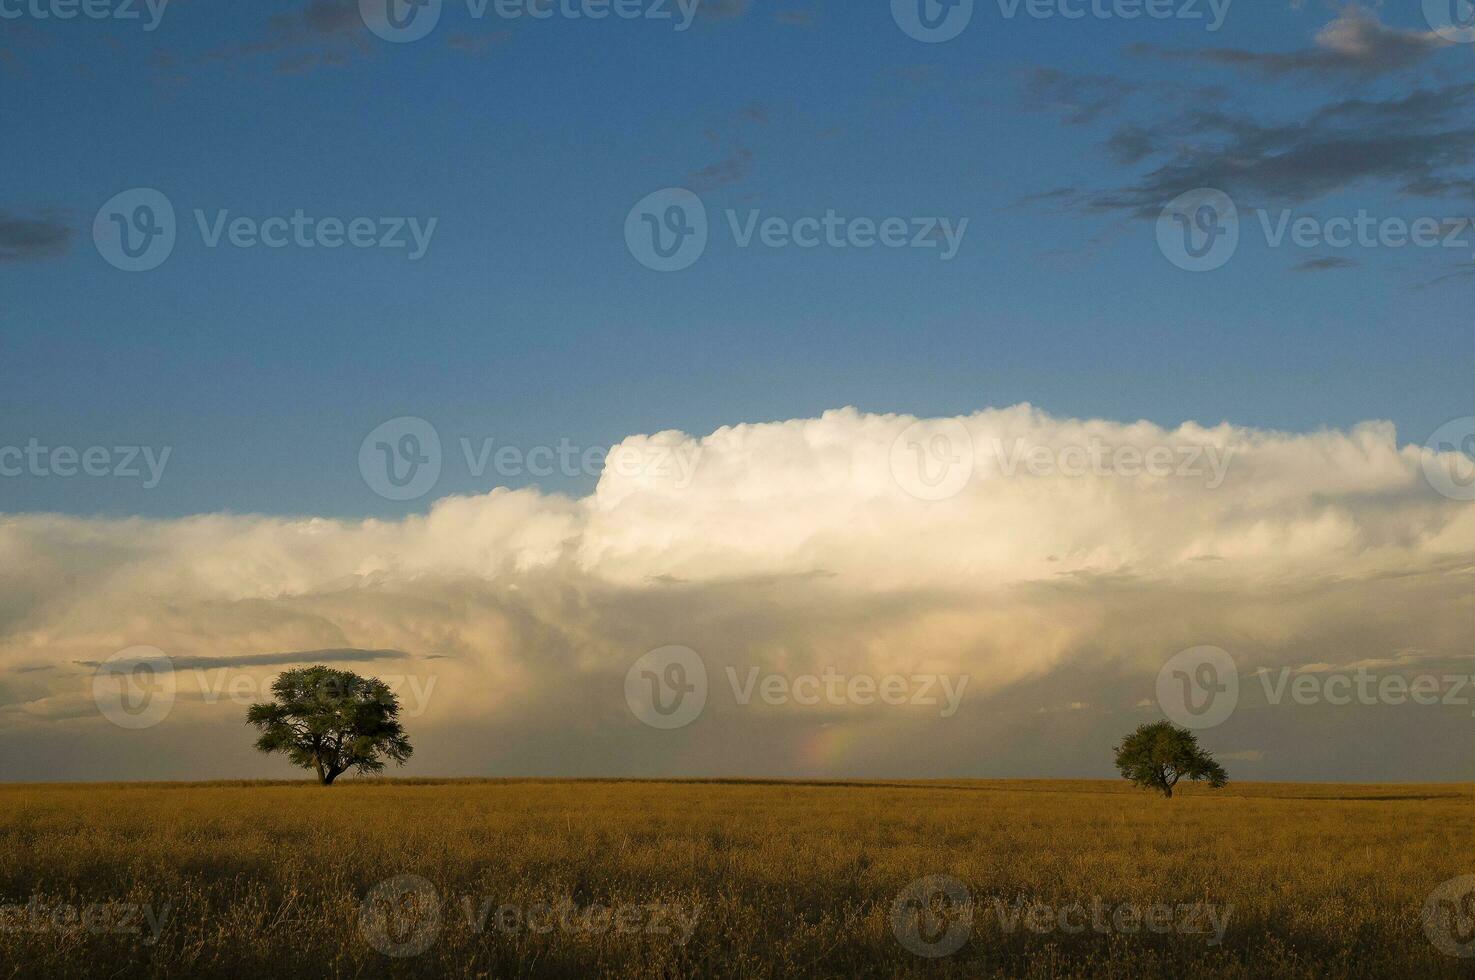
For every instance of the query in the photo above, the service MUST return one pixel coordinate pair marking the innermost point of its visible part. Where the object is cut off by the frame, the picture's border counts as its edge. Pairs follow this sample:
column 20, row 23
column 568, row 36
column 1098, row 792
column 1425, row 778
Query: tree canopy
column 331, row 721
column 1157, row 755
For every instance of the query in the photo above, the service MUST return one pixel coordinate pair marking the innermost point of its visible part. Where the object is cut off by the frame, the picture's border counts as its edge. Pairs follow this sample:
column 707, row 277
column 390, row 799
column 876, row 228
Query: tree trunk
column 328, row 779
column 1168, row 792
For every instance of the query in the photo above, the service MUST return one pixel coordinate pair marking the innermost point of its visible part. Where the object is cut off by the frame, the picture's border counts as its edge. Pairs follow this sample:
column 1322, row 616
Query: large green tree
column 331, row 721
column 1157, row 755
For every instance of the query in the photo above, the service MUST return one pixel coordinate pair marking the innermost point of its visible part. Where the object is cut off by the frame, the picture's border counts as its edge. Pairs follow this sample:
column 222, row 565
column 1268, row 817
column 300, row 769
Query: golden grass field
column 760, row 878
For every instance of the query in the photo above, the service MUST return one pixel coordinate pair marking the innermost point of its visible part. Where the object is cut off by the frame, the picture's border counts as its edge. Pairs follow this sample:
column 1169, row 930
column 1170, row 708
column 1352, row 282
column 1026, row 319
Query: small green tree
column 331, row 721
column 1159, row 754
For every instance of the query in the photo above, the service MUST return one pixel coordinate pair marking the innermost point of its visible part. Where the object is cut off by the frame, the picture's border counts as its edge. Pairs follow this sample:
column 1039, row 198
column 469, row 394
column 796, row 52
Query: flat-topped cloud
column 1076, row 556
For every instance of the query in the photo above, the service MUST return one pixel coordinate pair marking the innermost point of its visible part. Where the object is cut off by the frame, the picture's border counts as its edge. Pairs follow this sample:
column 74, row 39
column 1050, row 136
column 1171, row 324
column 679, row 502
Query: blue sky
column 528, row 321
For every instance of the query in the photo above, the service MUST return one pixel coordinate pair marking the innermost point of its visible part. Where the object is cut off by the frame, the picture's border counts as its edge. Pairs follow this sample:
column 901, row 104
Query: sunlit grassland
column 782, row 878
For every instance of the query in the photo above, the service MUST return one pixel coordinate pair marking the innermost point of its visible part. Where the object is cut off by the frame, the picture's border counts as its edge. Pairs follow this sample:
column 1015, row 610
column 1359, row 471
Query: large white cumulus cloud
column 1065, row 549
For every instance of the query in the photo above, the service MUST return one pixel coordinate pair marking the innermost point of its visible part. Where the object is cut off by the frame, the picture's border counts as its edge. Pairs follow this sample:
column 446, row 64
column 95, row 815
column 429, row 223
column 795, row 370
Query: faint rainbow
column 828, row 747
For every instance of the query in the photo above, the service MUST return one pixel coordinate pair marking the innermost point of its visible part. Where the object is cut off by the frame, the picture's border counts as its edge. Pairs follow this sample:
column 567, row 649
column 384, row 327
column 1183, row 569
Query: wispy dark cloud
column 1324, row 264
column 796, row 18
column 728, row 170
column 736, row 163
column 1132, row 144
column 722, row 9
column 476, row 45
column 1422, row 144
column 23, row 239
column 325, row 17
column 317, row 34
column 1079, row 99
column 1462, row 272
column 338, row 655
column 1356, row 44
